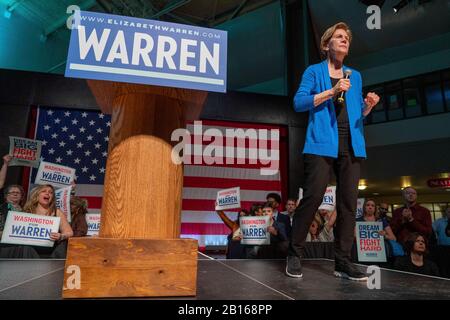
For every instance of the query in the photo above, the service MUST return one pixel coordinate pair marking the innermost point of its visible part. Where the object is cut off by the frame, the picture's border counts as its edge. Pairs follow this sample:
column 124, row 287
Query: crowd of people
column 413, row 243
column 42, row 202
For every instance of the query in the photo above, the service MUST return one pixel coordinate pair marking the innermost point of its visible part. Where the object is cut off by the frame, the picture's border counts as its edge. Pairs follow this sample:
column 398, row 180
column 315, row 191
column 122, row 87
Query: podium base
column 106, row 268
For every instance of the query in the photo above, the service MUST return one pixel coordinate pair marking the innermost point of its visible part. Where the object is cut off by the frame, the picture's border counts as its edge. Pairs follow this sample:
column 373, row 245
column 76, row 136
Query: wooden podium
column 139, row 252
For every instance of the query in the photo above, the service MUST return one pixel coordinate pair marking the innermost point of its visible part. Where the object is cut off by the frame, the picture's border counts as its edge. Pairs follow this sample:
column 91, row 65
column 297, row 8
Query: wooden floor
column 238, row 280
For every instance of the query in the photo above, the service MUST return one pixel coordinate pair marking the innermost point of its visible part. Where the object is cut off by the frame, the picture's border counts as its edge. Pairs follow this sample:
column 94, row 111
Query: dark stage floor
column 238, row 280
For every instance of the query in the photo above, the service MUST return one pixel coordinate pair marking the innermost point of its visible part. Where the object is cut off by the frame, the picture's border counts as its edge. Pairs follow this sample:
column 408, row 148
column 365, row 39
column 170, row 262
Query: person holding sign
column 369, row 210
column 278, row 237
column 42, row 202
column 234, row 248
column 334, row 140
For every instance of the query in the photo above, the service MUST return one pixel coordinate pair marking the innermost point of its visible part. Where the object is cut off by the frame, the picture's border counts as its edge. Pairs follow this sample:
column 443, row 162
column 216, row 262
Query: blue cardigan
column 322, row 132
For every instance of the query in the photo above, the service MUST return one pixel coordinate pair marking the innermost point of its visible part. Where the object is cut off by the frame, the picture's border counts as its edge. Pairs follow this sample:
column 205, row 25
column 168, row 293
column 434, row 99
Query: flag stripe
column 234, row 155
column 203, row 205
column 235, row 164
column 211, row 194
column 188, row 216
column 224, row 183
column 205, row 228
column 226, row 172
column 93, row 202
column 89, row 190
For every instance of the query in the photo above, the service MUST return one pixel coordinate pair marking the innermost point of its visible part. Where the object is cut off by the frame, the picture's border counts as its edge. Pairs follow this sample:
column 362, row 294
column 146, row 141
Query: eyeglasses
column 14, row 193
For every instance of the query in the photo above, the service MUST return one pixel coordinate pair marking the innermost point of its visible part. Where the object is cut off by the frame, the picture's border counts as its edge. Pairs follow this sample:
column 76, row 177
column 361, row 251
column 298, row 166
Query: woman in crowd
column 235, row 250
column 321, row 231
column 393, row 248
column 78, row 210
column 369, row 215
column 12, row 201
column 415, row 261
column 42, row 202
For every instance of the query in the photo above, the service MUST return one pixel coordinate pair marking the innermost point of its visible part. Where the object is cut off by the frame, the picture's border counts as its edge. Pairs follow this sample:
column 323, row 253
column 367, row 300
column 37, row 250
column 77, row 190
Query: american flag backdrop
column 202, row 181
column 79, row 139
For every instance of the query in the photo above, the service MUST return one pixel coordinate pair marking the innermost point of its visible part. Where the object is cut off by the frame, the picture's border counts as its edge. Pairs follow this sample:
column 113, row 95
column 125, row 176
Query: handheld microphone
column 347, row 75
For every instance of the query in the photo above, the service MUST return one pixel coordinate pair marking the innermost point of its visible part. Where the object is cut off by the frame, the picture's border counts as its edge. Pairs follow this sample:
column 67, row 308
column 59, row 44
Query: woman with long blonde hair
column 42, row 202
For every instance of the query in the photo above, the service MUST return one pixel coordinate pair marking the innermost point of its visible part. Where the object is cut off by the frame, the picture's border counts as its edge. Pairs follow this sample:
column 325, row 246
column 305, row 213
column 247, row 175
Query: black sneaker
column 349, row 271
column 294, row 267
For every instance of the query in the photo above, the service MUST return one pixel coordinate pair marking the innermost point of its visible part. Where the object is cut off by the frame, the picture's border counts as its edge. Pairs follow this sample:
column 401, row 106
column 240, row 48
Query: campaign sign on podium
column 134, row 50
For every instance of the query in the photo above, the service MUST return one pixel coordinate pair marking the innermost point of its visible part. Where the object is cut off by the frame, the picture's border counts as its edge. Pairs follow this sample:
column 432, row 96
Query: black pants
column 317, row 176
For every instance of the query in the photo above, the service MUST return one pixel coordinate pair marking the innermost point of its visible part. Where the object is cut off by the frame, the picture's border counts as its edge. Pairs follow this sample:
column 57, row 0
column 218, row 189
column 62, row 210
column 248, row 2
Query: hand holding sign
column 7, row 159
column 55, row 236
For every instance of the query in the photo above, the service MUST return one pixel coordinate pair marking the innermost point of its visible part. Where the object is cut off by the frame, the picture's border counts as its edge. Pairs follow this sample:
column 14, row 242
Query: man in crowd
column 275, row 200
column 291, row 205
column 411, row 217
column 383, row 209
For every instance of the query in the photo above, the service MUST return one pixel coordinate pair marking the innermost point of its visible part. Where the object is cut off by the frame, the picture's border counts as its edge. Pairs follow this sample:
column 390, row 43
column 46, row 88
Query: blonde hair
column 33, row 201
column 328, row 34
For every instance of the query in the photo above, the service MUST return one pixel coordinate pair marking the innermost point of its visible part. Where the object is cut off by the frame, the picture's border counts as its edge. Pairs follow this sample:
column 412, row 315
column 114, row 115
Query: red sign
column 439, row 183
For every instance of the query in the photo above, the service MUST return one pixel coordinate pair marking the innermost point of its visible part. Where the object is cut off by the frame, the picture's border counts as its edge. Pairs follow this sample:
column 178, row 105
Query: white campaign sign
column 29, row 229
column 62, row 197
column 24, row 152
column 228, row 199
column 254, row 230
column 93, row 222
column 54, row 174
column 329, row 199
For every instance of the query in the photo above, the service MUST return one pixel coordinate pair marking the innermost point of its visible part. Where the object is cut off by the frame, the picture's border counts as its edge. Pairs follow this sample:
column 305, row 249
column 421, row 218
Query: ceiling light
column 362, row 185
